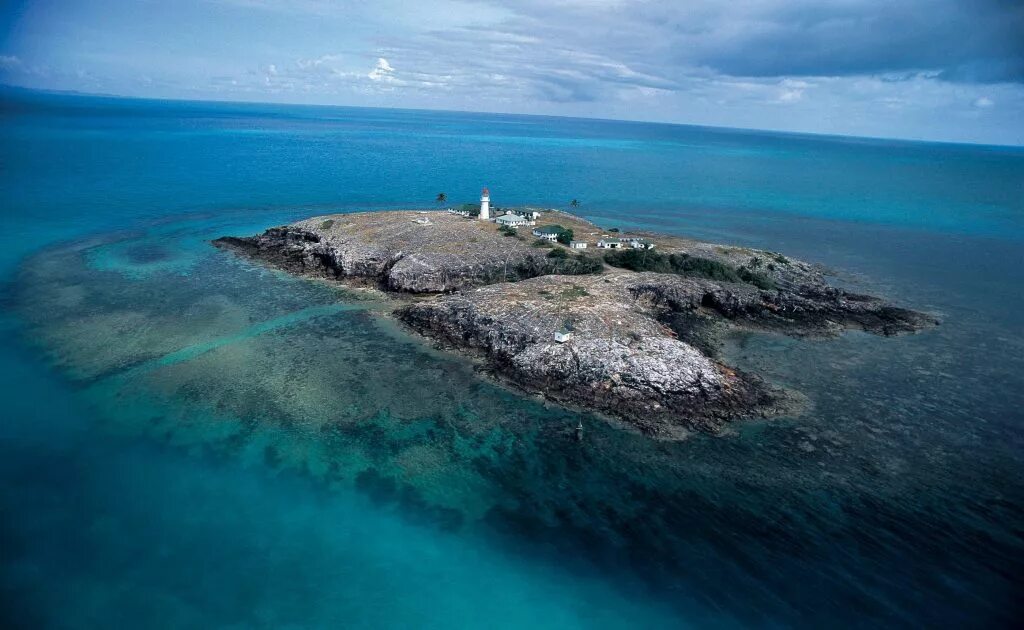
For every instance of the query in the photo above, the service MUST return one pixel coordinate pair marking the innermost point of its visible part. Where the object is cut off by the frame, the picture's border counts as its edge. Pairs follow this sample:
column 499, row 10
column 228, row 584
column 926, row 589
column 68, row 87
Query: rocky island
column 624, row 325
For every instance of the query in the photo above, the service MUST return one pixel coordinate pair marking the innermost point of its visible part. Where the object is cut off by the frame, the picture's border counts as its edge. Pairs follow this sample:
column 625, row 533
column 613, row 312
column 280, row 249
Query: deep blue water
column 191, row 441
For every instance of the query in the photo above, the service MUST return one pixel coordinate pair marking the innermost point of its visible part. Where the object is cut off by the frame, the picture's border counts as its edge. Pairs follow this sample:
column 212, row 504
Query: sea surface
column 188, row 440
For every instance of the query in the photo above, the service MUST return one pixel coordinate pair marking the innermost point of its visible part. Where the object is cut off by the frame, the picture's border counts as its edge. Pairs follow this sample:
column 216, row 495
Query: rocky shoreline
column 640, row 345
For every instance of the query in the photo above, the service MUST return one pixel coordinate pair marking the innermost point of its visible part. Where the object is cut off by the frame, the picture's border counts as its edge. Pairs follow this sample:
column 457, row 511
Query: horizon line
column 809, row 134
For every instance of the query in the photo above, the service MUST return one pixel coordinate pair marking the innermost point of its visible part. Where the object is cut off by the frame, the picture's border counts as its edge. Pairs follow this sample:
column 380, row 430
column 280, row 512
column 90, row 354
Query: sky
column 946, row 70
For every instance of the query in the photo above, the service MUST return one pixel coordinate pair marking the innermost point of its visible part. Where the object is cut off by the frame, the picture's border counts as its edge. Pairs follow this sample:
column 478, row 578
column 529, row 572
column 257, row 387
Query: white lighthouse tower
column 485, row 206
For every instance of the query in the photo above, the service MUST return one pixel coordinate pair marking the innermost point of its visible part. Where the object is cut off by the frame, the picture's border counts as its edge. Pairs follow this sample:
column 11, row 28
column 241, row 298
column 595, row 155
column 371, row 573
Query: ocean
column 191, row 440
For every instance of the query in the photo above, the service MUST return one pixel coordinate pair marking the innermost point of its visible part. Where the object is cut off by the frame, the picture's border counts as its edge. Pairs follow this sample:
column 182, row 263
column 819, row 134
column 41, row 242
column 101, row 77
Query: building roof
column 506, row 218
column 486, row 192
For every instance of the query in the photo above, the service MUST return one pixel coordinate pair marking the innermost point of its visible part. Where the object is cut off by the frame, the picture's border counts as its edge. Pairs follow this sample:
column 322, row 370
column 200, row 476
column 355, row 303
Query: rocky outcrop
column 808, row 309
column 643, row 344
column 619, row 361
column 638, row 349
column 395, row 252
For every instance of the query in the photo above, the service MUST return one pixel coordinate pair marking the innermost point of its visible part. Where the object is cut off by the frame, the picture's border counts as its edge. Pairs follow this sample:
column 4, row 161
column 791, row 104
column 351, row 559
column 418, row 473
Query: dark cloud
column 975, row 41
column 957, row 40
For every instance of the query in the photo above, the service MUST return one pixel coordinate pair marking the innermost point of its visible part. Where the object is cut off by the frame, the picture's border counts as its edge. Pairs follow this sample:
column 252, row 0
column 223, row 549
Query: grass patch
column 558, row 253
column 572, row 293
column 539, row 243
column 328, row 224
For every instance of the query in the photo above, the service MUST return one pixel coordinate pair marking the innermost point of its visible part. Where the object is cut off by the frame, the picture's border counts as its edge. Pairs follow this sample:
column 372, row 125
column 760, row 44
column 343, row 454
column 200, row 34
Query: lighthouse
column 485, row 206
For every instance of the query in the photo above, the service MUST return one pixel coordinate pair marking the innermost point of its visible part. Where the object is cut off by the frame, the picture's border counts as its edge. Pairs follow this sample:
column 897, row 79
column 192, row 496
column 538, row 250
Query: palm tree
column 575, row 203
column 441, row 198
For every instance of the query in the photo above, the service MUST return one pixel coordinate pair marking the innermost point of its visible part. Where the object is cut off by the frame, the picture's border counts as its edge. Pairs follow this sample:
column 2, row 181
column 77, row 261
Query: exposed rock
column 394, row 251
column 643, row 344
column 809, row 309
column 620, row 360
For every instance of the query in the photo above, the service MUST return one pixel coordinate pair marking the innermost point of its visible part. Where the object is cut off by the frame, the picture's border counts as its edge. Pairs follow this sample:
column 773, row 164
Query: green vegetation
column 639, row 260
column 569, row 265
column 758, row 280
column 507, row 231
column 615, row 230
column 703, row 268
column 685, row 265
column 558, row 253
column 565, row 236
column 541, row 243
column 573, row 292
column 583, row 264
column 328, row 224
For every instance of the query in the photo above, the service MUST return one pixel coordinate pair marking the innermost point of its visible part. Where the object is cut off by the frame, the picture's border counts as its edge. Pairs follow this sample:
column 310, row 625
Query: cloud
column 791, row 91
column 9, row 63
column 957, row 40
column 795, row 64
column 382, row 72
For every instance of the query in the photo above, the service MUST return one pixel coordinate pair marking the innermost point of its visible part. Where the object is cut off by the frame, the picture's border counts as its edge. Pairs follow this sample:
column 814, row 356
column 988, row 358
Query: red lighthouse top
column 487, row 193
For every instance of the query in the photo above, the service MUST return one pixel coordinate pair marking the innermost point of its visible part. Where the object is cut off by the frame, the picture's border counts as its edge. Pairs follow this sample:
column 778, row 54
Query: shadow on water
column 877, row 502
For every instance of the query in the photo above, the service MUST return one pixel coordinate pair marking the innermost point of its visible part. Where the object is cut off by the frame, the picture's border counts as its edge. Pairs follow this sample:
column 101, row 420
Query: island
column 623, row 325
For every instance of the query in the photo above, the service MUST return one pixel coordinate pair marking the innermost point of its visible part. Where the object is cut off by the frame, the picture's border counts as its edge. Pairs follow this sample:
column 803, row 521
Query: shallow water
column 195, row 440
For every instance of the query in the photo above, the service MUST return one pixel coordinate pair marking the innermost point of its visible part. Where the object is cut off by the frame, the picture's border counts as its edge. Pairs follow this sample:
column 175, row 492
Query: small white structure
column 578, row 244
column 423, row 220
column 641, row 243
column 485, row 205
column 563, row 335
column 609, row 243
column 548, row 232
column 512, row 220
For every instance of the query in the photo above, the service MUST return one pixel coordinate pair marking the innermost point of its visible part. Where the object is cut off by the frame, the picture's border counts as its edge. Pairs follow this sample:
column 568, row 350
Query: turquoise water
column 190, row 440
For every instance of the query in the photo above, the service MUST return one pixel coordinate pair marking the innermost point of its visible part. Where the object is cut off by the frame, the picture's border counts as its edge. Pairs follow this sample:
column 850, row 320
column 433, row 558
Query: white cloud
column 983, row 102
column 10, row 62
column 382, row 72
column 791, row 91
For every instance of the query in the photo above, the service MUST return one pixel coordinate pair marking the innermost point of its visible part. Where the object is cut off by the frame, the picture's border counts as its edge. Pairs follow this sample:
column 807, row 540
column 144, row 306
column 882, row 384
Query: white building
column 609, row 243
column 510, row 219
column 578, row 244
column 641, row 243
column 563, row 335
column 485, row 205
column 548, row 232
